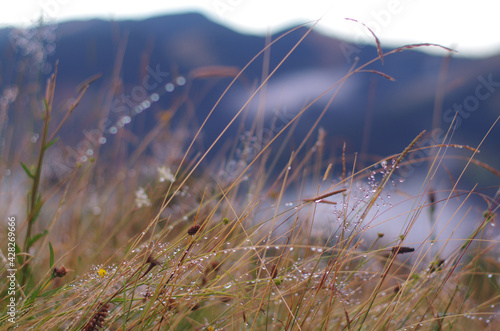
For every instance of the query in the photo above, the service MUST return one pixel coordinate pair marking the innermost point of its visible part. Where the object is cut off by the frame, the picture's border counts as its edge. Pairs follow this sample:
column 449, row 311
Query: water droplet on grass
column 154, row 97
column 180, row 80
column 169, row 87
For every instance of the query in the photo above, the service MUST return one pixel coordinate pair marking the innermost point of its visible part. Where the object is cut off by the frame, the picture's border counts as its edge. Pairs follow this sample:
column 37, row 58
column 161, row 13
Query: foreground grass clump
column 188, row 244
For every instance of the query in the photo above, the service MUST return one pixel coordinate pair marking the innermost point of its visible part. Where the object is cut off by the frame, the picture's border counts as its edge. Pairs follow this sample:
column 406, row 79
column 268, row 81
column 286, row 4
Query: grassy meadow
column 164, row 237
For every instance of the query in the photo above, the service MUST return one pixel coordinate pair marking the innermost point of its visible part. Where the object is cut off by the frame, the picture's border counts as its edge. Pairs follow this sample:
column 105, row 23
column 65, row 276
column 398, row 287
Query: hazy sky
column 467, row 26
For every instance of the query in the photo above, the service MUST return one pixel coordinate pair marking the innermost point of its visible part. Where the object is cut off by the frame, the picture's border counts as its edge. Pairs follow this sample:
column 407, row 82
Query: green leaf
column 19, row 257
column 33, row 295
column 36, row 237
column 50, row 143
column 51, row 255
column 27, row 170
column 28, row 203
column 49, row 293
column 37, row 208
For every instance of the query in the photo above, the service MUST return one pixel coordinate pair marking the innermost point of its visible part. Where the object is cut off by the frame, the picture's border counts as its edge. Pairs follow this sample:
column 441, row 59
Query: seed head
column 192, row 230
column 96, row 322
column 152, row 261
column 402, row 250
column 60, row 272
column 274, row 271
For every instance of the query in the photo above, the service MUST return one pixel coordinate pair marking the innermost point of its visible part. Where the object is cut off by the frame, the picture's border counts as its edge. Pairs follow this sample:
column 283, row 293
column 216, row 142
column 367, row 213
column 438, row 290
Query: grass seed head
column 60, row 272
column 193, row 230
column 402, row 250
column 97, row 320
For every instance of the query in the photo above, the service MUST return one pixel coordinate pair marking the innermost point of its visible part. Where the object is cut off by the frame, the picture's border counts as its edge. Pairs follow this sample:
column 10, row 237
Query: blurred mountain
column 148, row 66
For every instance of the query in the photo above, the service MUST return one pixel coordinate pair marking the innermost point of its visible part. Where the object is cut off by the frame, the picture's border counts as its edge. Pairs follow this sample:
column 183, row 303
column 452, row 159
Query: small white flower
column 141, row 198
column 166, row 174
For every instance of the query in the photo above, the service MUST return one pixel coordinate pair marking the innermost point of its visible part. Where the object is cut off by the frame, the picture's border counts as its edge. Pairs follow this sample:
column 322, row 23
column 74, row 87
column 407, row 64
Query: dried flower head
column 274, row 271
column 193, row 230
column 402, row 250
column 215, row 265
column 60, row 272
column 152, row 263
column 96, row 322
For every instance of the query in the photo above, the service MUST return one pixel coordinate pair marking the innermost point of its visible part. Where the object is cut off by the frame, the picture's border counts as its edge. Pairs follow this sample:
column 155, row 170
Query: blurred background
column 149, row 62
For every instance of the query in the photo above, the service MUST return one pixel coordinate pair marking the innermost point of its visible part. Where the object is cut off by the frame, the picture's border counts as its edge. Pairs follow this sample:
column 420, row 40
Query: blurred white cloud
column 468, row 27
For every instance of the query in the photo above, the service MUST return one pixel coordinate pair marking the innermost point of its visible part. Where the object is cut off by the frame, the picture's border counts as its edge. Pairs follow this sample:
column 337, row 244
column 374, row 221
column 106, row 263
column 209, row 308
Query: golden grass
column 213, row 254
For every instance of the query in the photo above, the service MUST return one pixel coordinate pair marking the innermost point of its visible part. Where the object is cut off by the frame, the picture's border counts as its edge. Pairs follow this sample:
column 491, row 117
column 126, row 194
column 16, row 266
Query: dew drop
column 169, row 87
column 34, row 138
column 154, row 97
column 180, row 80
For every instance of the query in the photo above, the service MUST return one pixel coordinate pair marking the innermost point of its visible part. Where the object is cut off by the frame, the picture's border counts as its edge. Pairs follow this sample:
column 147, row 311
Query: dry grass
column 239, row 244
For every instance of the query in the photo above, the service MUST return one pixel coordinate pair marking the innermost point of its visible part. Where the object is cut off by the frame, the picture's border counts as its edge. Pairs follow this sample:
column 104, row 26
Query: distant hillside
column 179, row 44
